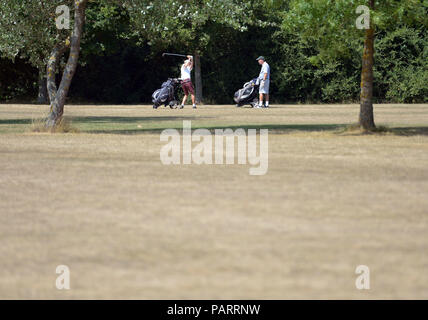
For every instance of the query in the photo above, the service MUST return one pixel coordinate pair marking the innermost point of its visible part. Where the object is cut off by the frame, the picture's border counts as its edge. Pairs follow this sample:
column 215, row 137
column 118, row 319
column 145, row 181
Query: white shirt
column 185, row 72
column 265, row 69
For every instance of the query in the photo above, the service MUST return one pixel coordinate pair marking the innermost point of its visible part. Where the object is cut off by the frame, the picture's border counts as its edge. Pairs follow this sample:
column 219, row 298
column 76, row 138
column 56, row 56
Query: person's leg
column 266, row 84
column 193, row 101
column 260, row 100
column 186, row 94
column 262, row 91
column 184, row 101
column 191, row 90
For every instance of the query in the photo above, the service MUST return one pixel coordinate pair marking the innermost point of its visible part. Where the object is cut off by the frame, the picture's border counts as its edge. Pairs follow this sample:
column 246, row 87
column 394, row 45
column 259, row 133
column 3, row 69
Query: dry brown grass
column 130, row 227
column 38, row 125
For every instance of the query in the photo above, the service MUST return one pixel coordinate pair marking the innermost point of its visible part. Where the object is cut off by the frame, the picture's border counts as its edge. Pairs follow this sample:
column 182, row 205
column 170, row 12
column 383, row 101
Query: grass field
column 101, row 202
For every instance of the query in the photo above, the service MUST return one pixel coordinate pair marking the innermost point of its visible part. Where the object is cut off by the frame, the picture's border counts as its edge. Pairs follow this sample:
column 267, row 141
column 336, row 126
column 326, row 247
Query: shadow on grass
column 141, row 129
column 273, row 128
column 130, row 119
column 355, row 130
column 97, row 120
column 410, row 131
column 16, row 121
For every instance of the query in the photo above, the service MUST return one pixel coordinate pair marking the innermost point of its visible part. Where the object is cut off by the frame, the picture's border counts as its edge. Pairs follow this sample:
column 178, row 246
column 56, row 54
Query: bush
column 18, row 80
column 401, row 67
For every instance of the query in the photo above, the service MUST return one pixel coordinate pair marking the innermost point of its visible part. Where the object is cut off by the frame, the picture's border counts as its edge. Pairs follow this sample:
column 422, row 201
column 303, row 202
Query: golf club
column 173, row 54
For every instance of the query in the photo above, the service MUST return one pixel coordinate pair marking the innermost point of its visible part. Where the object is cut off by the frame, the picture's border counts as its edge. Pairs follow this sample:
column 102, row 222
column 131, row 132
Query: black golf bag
column 166, row 94
column 248, row 94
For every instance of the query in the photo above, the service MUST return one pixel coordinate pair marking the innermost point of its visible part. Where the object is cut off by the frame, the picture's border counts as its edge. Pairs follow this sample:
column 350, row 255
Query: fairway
column 101, row 202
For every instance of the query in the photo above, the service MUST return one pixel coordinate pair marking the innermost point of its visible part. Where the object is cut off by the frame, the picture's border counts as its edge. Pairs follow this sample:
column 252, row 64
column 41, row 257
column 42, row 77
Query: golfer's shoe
column 194, row 106
column 181, row 107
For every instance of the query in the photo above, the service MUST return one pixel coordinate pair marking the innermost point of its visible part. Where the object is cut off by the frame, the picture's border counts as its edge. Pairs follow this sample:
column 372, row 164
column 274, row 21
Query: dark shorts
column 187, row 87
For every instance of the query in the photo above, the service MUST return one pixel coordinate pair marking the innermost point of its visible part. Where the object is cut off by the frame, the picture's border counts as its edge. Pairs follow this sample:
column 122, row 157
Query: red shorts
column 187, row 87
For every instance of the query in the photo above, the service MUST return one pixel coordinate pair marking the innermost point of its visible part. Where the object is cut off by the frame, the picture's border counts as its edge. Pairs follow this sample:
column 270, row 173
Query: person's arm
column 265, row 74
column 190, row 63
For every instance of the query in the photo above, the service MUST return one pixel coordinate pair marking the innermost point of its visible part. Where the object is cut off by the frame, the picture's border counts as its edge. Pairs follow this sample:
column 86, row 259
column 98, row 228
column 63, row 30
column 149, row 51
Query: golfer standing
column 264, row 80
column 186, row 81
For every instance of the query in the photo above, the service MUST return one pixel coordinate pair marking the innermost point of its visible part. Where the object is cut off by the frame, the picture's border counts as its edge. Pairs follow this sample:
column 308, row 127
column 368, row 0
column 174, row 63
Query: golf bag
column 166, row 94
column 248, row 94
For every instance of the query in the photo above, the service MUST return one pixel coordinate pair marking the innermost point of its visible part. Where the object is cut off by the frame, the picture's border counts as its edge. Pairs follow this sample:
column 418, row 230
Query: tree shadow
column 16, row 121
column 273, row 128
column 107, row 119
column 410, row 131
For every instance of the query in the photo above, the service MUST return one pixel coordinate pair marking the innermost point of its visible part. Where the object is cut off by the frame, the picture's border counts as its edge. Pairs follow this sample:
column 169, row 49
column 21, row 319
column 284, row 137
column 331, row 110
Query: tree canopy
column 28, row 29
column 330, row 25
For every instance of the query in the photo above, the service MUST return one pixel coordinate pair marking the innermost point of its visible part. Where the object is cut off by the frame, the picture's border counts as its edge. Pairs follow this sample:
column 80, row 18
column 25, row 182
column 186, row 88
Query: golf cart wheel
column 173, row 104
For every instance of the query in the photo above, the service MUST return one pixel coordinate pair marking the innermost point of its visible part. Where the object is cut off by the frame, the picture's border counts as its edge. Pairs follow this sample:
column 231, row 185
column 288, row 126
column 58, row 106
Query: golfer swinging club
column 264, row 80
column 186, row 83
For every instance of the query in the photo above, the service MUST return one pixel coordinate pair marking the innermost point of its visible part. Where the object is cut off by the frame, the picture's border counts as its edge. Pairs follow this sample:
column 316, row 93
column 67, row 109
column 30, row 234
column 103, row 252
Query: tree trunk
column 198, row 78
column 42, row 97
column 58, row 101
column 56, row 54
column 366, row 119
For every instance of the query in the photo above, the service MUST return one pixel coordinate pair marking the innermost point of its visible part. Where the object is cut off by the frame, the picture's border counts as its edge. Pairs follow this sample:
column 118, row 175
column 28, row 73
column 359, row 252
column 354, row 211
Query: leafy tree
column 58, row 95
column 402, row 65
column 28, row 28
column 332, row 25
column 26, row 32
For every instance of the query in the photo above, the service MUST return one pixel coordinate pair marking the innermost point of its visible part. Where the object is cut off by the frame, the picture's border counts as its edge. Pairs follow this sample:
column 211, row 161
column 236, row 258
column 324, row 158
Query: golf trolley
column 166, row 95
column 248, row 94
